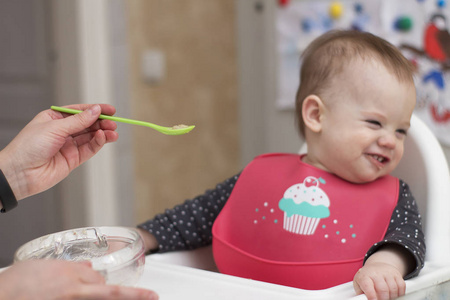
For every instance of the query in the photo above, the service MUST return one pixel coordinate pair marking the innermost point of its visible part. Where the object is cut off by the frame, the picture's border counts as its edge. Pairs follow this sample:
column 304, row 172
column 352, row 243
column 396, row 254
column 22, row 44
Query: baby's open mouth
column 379, row 158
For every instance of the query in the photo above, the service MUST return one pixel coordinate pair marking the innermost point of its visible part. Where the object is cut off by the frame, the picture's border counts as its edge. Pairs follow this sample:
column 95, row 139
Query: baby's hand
column 379, row 281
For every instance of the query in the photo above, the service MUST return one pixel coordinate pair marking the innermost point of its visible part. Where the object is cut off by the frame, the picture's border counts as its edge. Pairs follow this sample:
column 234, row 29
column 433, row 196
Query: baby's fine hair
column 330, row 53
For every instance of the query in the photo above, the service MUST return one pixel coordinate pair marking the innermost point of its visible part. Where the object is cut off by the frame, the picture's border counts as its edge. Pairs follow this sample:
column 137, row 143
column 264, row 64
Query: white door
column 25, row 90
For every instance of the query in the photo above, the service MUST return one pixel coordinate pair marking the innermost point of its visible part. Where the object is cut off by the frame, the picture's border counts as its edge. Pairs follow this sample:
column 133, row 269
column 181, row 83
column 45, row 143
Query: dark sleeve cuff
column 417, row 256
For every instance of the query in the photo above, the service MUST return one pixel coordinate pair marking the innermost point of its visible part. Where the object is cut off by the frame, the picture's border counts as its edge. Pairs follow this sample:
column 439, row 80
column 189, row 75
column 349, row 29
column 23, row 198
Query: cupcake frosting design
column 304, row 204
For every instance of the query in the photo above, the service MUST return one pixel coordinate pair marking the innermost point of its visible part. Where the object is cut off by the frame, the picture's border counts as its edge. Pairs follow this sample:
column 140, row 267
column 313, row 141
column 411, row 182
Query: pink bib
column 289, row 223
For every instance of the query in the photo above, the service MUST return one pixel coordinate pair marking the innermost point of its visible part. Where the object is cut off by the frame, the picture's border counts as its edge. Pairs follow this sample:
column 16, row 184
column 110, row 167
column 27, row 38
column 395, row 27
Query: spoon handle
column 104, row 117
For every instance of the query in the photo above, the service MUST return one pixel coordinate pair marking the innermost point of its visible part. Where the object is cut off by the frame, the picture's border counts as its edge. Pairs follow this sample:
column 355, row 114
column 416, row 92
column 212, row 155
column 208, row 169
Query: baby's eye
column 375, row 123
column 402, row 132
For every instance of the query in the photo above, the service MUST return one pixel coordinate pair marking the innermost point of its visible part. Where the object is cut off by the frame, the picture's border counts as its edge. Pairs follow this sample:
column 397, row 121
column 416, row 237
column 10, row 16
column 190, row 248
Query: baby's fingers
column 400, row 287
column 390, row 287
column 382, row 289
column 364, row 285
column 358, row 290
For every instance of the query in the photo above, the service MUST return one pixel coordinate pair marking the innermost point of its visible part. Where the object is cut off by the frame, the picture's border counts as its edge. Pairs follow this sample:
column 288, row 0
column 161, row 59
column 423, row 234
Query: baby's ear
column 312, row 110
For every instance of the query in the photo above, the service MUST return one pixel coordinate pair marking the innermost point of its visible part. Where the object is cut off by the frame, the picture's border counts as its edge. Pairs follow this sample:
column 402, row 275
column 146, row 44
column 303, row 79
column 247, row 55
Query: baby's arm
column 150, row 242
column 399, row 256
column 381, row 277
column 188, row 225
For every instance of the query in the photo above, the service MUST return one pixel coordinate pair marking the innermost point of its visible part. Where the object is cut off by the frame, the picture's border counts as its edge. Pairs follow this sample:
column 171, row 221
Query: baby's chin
column 359, row 178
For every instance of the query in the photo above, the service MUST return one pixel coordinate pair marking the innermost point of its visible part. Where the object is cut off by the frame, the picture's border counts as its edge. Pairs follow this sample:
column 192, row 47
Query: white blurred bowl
column 116, row 252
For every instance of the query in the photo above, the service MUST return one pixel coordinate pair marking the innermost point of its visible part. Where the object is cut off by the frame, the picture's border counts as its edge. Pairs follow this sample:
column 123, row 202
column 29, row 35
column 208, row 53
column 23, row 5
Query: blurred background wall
column 196, row 43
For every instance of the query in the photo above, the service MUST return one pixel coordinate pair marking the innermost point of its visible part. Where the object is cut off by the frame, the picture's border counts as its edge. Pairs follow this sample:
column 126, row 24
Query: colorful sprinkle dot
column 353, row 235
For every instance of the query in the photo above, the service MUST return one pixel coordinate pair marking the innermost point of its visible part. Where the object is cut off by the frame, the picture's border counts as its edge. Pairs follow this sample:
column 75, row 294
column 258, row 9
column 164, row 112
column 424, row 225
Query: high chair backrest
column 424, row 168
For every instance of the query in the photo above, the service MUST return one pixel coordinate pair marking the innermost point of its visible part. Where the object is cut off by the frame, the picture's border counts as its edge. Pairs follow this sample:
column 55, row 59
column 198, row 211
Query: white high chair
column 423, row 167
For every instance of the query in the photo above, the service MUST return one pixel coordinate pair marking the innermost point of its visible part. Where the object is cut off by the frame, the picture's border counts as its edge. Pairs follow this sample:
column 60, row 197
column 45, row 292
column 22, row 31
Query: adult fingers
column 88, row 133
column 104, row 125
column 96, row 125
column 99, row 139
column 106, row 109
column 111, row 136
column 115, row 292
column 86, row 137
column 87, row 274
column 79, row 122
column 89, row 149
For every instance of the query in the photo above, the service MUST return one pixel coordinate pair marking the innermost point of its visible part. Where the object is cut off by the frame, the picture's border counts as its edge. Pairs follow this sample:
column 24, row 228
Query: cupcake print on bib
column 304, row 205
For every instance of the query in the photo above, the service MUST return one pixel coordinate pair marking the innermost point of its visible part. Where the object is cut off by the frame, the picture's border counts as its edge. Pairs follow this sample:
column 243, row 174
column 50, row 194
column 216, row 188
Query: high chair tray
column 173, row 281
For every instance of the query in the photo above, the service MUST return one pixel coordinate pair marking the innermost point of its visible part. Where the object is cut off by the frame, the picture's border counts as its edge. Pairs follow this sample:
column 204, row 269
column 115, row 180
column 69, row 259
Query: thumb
column 81, row 121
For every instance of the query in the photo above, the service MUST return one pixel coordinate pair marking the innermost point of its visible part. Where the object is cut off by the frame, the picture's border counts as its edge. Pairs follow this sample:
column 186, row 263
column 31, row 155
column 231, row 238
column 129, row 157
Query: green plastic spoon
column 174, row 130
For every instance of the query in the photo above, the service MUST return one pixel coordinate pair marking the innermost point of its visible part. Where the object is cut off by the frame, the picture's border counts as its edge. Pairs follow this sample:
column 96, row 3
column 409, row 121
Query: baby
column 333, row 214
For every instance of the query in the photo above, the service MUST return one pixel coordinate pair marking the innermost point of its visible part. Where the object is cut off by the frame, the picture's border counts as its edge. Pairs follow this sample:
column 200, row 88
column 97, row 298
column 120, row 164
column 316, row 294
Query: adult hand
column 52, row 145
column 58, row 279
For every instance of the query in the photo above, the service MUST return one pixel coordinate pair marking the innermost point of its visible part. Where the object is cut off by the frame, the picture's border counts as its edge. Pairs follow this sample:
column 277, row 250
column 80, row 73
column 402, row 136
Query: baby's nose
column 387, row 140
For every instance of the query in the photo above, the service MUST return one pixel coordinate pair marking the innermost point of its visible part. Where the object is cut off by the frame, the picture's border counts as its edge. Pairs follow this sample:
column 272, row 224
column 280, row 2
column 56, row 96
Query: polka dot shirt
column 405, row 230
column 189, row 225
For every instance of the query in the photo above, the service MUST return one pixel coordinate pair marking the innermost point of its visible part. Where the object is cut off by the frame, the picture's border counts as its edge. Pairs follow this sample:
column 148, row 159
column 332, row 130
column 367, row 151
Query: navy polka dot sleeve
column 405, row 229
column 189, row 225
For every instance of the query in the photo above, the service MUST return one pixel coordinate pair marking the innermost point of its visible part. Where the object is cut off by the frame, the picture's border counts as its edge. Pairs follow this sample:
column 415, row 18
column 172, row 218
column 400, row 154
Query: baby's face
column 366, row 117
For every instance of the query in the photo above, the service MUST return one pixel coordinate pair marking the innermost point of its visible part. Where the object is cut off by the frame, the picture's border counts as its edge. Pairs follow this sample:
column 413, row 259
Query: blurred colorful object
column 403, row 23
column 441, row 3
column 336, row 9
column 283, row 2
column 437, row 39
